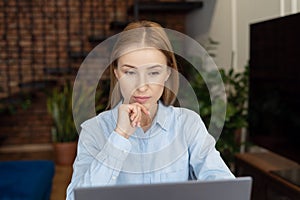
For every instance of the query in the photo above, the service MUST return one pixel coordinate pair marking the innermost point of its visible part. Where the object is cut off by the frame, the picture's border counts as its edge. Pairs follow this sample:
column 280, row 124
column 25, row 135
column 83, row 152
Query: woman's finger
column 132, row 111
column 133, row 114
column 136, row 112
column 137, row 117
column 143, row 108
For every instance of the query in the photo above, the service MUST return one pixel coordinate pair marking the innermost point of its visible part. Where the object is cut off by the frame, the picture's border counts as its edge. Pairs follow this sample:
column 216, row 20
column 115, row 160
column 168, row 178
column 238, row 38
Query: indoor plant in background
column 236, row 83
column 64, row 134
column 237, row 88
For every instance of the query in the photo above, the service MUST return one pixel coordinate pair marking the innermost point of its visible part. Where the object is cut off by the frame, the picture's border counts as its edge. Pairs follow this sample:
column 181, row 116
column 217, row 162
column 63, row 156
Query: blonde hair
column 137, row 35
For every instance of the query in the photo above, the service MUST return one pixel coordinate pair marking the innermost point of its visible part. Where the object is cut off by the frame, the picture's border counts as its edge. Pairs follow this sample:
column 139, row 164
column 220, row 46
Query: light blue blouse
column 177, row 147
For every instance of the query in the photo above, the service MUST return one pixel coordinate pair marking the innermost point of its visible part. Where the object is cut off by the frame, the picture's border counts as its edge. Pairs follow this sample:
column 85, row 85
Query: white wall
column 207, row 22
column 227, row 21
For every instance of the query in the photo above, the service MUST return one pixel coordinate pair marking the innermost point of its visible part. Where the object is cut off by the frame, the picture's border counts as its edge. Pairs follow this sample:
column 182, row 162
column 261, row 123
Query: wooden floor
column 62, row 175
column 60, row 182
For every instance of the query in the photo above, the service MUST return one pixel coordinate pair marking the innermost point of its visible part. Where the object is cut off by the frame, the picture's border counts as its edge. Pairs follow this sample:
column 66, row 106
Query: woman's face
column 142, row 75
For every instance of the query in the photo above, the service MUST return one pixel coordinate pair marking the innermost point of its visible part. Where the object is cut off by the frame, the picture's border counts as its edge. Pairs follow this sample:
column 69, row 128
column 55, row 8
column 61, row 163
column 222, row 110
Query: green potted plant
column 64, row 134
column 237, row 88
column 236, row 84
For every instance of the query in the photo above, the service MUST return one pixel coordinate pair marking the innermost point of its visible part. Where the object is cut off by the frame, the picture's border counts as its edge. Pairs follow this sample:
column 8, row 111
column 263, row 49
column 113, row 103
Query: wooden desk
column 266, row 185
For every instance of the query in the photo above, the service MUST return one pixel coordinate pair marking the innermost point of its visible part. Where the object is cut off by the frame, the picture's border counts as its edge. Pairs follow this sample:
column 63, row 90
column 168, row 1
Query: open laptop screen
column 233, row 189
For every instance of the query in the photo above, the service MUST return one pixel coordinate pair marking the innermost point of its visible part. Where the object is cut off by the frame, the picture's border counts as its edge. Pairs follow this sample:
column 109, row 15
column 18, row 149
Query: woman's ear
column 116, row 73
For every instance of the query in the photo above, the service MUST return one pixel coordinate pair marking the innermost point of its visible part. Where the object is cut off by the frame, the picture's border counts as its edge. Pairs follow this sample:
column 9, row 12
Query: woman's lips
column 140, row 99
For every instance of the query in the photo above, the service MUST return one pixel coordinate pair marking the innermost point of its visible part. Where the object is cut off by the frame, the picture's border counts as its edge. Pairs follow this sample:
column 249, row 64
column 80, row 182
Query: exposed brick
column 40, row 34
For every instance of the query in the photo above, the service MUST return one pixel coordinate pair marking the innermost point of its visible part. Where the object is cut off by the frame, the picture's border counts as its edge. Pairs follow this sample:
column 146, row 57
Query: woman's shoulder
column 99, row 126
column 185, row 113
column 99, row 119
column 188, row 118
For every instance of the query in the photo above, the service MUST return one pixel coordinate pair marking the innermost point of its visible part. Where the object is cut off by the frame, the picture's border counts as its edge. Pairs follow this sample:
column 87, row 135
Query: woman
column 142, row 138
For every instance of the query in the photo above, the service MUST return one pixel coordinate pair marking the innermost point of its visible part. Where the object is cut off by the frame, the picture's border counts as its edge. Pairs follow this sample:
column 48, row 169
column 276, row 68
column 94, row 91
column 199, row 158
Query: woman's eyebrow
column 130, row 66
column 155, row 66
column 150, row 67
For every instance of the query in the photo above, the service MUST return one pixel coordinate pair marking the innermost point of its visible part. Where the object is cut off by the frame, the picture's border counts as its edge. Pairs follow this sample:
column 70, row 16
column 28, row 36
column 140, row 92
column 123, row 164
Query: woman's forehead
column 143, row 57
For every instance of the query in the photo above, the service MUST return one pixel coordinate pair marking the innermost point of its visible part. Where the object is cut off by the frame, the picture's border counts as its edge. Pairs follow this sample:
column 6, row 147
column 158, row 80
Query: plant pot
column 65, row 152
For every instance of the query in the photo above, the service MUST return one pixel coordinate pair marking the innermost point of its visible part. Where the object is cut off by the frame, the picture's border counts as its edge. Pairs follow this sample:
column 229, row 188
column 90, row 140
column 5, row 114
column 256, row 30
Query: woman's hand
column 131, row 116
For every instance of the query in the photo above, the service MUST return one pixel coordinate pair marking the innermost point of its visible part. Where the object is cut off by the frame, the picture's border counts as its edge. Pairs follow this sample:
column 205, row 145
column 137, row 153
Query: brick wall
column 39, row 35
column 42, row 34
column 27, row 126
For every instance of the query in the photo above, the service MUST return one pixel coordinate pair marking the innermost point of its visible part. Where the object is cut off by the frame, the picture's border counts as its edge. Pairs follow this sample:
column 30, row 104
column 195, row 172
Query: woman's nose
column 142, row 83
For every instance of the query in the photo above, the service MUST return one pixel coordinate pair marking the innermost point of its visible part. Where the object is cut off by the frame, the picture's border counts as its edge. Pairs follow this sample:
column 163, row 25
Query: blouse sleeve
column 99, row 159
column 205, row 161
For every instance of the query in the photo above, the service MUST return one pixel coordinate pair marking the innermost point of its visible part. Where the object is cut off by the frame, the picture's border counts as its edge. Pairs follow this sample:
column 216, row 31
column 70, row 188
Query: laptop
column 233, row 189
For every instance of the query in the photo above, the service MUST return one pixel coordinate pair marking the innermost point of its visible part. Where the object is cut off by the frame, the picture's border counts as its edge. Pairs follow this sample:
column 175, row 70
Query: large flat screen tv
column 274, row 91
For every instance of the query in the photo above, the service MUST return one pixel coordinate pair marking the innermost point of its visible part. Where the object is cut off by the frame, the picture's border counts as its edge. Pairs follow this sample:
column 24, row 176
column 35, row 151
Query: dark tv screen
column 274, row 91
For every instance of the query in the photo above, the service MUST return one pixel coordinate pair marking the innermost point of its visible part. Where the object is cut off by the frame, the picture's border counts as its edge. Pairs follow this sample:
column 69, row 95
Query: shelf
column 58, row 71
column 96, row 39
column 77, row 55
column 118, row 25
column 37, row 84
column 166, row 6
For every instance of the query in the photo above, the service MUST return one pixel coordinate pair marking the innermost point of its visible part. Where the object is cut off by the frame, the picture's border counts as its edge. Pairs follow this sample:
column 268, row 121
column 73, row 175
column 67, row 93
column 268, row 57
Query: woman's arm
column 205, row 161
column 98, row 164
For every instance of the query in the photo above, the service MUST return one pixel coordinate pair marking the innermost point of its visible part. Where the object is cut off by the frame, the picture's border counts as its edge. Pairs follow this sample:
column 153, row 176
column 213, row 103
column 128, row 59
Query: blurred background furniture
column 263, row 167
column 26, row 180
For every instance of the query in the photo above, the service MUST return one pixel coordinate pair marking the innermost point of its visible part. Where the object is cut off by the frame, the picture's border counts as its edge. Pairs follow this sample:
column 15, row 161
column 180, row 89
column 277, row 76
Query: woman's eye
column 154, row 73
column 129, row 72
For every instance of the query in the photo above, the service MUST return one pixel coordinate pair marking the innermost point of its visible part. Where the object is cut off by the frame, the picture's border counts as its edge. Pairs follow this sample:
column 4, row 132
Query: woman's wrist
column 121, row 132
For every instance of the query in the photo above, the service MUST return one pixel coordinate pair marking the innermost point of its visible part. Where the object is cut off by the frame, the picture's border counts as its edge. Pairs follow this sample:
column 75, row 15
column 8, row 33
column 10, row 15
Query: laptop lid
column 233, row 189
